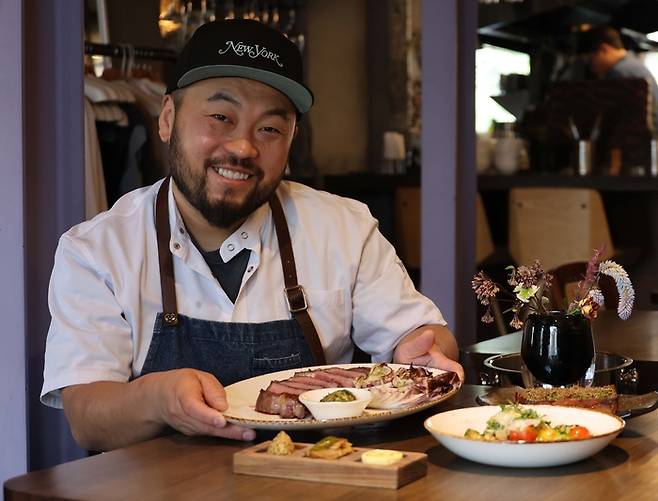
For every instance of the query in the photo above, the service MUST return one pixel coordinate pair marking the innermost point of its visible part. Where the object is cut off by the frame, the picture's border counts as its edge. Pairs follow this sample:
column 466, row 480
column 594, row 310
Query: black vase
column 557, row 349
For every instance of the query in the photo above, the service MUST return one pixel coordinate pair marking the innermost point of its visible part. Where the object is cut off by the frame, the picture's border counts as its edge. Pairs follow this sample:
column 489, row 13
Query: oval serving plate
column 448, row 428
column 241, row 397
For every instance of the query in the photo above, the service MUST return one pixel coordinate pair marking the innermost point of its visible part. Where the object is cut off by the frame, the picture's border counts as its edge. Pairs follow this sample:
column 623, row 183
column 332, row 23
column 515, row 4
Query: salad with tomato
column 521, row 424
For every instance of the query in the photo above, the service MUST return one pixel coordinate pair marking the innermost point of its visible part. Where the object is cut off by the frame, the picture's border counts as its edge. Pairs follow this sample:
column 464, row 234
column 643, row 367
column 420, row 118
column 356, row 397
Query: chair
column 484, row 246
column 407, row 227
column 557, row 225
column 565, row 281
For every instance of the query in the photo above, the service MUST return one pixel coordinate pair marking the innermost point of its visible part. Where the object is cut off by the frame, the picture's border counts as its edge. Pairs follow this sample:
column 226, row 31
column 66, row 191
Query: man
column 607, row 58
column 189, row 285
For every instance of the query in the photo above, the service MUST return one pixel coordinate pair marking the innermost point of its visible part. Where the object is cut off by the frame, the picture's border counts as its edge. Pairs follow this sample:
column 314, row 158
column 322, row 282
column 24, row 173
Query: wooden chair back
column 556, row 225
column 407, row 225
column 484, row 245
column 565, row 281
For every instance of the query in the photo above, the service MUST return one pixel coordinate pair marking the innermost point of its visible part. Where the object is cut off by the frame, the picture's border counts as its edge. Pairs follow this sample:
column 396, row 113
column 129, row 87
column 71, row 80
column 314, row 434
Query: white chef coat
column 105, row 291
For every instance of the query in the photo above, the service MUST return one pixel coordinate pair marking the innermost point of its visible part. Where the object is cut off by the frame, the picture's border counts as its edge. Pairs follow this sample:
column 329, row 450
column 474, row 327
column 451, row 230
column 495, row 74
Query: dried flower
column 588, row 307
column 530, row 284
column 624, row 287
column 485, row 288
column 487, row 318
column 516, row 321
column 524, row 294
column 597, row 296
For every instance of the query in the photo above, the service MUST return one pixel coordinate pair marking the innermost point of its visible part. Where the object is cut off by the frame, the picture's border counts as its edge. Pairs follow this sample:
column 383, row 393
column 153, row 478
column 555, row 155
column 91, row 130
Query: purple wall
column 448, row 160
column 13, row 433
column 54, row 191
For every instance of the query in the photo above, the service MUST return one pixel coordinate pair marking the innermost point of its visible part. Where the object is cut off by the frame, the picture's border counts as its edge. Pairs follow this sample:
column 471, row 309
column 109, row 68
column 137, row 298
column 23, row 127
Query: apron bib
column 231, row 351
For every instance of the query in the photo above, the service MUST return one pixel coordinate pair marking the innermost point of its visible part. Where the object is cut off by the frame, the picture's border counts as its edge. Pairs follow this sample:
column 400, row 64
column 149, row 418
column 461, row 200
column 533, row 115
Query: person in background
column 606, row 57
column 223, row 271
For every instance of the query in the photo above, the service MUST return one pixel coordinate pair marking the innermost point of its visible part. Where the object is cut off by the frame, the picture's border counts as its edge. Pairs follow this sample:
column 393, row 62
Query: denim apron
column 231, row 351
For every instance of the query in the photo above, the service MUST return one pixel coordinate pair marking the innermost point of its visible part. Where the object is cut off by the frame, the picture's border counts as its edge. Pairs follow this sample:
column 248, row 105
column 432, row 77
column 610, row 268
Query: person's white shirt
column 105, row 291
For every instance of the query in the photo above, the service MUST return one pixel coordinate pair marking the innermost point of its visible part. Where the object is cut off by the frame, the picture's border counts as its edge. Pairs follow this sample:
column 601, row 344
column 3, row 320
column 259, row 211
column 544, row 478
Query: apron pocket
column 266, row 365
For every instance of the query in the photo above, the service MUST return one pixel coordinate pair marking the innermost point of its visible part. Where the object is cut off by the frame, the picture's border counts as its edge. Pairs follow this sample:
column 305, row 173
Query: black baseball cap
column 243, row 48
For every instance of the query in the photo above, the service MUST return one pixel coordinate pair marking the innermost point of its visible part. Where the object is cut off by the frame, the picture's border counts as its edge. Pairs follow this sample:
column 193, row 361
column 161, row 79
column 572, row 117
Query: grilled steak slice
column 283, row 404
column 313, row 381
column 302, row 386
column 279, row 387
column 348, row 373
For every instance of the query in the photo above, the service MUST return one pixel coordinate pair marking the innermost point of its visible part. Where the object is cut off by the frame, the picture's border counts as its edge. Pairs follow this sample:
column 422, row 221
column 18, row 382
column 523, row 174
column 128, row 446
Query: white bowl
column 449, row 427
column 335, row 410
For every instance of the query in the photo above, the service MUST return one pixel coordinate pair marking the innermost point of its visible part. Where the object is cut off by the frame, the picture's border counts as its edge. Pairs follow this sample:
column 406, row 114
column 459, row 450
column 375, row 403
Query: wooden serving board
column 347, row 470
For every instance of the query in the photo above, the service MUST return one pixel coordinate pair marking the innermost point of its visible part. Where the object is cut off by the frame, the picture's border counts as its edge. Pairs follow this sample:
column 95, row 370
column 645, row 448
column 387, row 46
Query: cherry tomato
column 579, row 433
column 528, row 434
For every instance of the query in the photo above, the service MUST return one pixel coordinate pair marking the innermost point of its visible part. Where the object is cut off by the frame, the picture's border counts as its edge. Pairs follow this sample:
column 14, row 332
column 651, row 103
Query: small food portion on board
column 331, row 448
column 360, row 466
column 522, row 424
column 382, row 457
column 390, row 388
column 281, row 445
column 600, row 398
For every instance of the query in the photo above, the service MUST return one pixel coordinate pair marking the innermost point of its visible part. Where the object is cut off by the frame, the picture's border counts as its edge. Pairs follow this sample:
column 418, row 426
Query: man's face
column 599, row 61
column 229, row 146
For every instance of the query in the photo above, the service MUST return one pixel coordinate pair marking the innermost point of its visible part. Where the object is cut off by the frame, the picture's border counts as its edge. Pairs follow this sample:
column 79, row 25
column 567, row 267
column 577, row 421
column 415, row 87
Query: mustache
column 233, row 161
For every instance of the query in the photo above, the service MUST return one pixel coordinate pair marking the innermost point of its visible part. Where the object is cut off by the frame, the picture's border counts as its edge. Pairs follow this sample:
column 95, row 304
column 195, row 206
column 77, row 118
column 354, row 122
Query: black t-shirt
column 229, row 275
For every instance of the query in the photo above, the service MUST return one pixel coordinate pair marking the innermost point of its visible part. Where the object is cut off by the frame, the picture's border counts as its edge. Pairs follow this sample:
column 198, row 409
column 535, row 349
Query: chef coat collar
column 248, row 235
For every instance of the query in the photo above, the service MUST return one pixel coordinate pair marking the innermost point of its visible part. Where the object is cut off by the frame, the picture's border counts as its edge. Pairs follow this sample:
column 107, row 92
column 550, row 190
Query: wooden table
column 636, row 338
column 178, row 467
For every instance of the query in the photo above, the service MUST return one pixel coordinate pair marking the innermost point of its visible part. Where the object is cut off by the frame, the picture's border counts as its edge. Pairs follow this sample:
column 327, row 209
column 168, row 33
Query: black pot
column 609, row 368
column 557, row 348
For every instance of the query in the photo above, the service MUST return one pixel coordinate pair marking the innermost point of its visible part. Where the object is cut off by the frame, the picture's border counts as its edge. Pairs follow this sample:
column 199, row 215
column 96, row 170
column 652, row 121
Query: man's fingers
column 231, row 431
column 213, row 391
column 419, row 346
column 440, row 361
column 199, row 411
column 235, row 432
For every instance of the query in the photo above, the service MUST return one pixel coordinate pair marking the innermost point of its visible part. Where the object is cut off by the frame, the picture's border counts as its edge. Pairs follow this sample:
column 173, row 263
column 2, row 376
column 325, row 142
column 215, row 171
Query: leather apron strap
column 295, row 296
column 167, row 282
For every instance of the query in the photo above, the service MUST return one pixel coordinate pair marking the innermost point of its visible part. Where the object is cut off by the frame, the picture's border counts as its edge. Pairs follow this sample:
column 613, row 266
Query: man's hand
column 192, row 401
column 430, row 345
column 106, row 415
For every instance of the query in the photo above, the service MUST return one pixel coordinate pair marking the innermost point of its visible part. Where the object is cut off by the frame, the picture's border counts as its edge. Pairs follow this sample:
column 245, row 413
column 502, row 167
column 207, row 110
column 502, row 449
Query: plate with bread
column 602, row 398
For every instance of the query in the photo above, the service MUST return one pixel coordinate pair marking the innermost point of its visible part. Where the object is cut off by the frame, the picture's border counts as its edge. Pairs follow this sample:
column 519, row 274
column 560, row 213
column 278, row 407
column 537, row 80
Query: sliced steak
column 284, row 404
column 301, row 386
column 342, row 381
column 315, row 382
column 363, row 371
column 279, row 387
column 349, row 373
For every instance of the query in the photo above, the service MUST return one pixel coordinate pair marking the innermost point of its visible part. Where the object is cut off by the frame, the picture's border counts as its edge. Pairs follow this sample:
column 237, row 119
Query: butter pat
column 381, row 457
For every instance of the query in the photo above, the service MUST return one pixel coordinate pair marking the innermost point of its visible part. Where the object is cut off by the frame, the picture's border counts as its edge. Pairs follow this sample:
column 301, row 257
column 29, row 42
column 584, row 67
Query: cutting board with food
column 331, row 460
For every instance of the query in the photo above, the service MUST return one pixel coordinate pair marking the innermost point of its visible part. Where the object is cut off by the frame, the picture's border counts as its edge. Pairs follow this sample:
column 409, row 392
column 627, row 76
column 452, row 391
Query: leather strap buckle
column 171, row 318
column 296, row 299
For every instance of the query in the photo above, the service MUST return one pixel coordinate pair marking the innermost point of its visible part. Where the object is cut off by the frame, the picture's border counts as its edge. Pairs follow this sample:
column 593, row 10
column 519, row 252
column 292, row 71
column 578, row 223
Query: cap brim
column 300, row 96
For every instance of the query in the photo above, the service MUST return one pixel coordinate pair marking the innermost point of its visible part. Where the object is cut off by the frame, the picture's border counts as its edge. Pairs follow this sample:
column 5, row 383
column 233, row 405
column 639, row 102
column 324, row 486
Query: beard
column 220, row 213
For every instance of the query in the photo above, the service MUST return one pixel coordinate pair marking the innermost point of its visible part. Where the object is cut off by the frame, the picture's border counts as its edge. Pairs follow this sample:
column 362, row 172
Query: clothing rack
column 120, row 50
